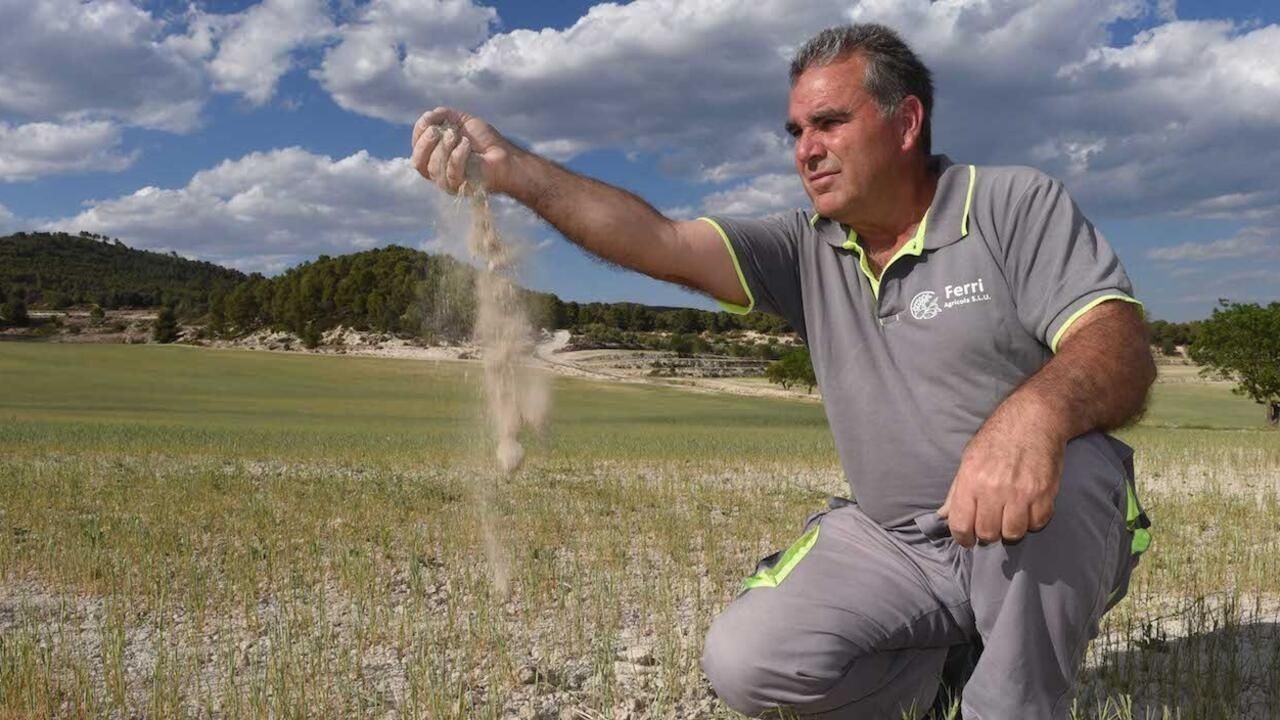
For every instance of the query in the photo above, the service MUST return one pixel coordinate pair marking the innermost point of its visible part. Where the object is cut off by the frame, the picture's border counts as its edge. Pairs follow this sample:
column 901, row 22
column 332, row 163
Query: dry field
column 200, row 533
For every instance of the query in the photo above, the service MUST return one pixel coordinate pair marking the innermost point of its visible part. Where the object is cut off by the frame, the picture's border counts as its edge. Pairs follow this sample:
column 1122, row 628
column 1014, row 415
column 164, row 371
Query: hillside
column 57, row 270
column 391, row 289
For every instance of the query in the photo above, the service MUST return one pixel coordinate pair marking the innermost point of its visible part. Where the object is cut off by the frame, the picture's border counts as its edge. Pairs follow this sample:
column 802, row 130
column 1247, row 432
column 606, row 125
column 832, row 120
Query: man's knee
column 736, row 668
column 757, row 661
column 756, row 666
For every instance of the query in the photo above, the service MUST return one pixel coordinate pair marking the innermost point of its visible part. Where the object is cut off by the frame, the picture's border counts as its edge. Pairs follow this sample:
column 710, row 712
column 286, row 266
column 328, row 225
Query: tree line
column 392, row 289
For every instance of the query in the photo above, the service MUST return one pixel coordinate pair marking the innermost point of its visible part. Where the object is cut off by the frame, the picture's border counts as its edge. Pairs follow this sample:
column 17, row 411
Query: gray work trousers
column 860, row 625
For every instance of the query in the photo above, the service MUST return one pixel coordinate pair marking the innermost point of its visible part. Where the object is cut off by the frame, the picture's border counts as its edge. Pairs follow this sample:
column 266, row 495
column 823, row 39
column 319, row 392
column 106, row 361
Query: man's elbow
column 1147, row 365
column 1142, row 374
column 1143, row 358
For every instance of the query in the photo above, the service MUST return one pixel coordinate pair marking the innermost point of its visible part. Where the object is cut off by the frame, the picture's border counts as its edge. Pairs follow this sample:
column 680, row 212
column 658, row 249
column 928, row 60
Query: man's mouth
column 818, row 176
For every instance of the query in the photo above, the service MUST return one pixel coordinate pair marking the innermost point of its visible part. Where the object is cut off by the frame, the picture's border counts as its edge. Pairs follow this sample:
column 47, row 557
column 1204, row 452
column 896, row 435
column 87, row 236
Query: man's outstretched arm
column 1009, row 474
column 604, row 220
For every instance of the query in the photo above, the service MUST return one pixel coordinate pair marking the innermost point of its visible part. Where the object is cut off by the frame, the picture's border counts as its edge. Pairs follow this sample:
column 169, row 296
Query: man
column 972, row 335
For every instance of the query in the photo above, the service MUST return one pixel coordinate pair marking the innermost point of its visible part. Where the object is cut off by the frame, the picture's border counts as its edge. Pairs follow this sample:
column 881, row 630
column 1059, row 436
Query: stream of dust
column 518, row 396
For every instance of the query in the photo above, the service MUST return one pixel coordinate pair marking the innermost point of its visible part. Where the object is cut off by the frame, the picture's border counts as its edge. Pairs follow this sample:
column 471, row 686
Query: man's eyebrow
column 830, row 114
column 818, row 117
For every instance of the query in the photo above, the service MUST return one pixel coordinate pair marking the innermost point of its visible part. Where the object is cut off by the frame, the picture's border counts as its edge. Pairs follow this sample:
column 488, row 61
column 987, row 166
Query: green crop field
column 189, row 532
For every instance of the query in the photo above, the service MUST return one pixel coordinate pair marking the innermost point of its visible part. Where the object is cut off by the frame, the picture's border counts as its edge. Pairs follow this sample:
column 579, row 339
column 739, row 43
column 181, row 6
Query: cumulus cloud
column 760, row 196
column 108, row 59
column 652, row 75
column 1250, row 241
column 256, row 46
column 36, row 149
column 1255, row 206
column 1155, row 124
column 73, row 73
column 266, row 211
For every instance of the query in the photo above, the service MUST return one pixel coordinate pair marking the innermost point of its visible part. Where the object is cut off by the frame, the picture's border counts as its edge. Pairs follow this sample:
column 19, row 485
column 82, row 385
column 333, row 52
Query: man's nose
column 809, row 150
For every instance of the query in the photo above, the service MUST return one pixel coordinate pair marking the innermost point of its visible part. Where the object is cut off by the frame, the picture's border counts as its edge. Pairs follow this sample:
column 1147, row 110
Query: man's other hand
column 1007, row 481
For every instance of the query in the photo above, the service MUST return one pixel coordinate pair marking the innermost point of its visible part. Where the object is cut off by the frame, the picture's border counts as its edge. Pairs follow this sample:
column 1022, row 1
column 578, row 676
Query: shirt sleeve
column 1058, row 264
column 766, row 255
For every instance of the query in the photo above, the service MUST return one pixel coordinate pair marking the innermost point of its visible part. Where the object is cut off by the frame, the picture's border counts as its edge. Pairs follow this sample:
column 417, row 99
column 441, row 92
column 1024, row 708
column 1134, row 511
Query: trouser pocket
column 932, row 526
column 772, row 569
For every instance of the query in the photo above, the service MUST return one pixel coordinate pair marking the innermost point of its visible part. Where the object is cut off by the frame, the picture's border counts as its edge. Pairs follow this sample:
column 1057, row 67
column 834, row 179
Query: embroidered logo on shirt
column 964, row 294
column 924, row 305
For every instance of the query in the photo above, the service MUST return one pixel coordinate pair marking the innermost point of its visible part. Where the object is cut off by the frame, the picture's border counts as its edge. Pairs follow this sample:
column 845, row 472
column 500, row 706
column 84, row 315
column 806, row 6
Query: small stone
column 640, row 655
column 538, row 711
column 527, row 675
column 577, row 676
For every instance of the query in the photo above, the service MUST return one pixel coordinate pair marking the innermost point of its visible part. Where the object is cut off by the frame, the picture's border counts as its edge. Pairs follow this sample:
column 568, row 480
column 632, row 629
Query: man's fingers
column 457, row 171
column 422, row 151
column 1014, row 526
column 439, row 162
column 438, row 116
column 1041, row 514
column 960, row 519
column 988, row 517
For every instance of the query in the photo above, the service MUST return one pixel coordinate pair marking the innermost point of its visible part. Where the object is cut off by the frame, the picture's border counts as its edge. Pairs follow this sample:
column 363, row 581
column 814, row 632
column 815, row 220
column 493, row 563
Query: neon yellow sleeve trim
column 968, row 201
column 1057, row 337
column 728, row 306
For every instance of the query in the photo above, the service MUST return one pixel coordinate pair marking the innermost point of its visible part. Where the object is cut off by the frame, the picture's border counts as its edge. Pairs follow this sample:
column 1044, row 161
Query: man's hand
column 446, row 141
column 1007, row 481
column 1010, row 470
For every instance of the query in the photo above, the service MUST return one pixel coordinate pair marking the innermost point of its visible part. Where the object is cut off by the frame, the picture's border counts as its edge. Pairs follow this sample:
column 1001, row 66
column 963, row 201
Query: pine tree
column 15, row 312
column 165, row 329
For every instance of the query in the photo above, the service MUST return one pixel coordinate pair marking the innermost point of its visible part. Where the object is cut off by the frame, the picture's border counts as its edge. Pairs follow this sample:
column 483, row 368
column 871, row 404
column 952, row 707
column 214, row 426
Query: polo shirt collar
column 947, row 219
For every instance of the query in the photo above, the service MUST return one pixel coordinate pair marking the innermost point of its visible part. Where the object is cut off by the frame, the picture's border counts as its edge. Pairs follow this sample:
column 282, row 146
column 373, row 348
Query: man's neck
column 904, row 209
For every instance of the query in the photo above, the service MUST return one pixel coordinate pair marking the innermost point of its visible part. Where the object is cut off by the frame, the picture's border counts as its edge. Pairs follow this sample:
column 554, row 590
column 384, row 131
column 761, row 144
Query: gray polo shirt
column 912, row 363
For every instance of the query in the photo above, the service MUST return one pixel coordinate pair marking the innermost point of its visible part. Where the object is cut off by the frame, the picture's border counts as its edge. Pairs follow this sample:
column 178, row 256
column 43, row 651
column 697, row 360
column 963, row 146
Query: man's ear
column 910, row 118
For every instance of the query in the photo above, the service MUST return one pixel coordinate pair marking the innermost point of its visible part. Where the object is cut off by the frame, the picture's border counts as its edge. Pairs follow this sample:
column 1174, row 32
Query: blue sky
column 262, row 134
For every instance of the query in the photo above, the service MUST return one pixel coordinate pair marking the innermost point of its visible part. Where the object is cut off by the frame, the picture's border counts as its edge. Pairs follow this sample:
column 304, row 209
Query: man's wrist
column 518, row 175
column 1029, row 414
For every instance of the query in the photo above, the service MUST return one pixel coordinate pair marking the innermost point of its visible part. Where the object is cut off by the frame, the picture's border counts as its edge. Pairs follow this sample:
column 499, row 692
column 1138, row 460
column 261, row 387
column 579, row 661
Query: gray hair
column 893, row 70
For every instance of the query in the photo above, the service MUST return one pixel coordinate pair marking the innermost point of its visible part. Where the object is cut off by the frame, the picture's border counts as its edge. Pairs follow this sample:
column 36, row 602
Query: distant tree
column 165, row 329
column 688, row 321
column 794, row 368
column 310, row 336
column 1241, row 342
column 97, row 315
column 766, row 351
column 777, row 374
column 15, row 312
column 217, row 313
column 681, row 344
column 242, row 307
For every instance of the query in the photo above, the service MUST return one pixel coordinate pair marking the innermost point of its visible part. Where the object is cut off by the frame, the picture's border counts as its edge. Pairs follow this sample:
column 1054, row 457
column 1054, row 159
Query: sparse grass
column 233, row 534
